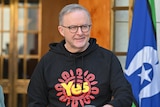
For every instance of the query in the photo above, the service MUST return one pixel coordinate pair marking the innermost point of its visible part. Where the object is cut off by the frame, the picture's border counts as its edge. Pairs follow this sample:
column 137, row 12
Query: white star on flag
column 145, row 74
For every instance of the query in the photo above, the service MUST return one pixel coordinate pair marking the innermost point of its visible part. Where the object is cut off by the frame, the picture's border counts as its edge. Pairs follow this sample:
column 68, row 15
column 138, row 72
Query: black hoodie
column 64, row 79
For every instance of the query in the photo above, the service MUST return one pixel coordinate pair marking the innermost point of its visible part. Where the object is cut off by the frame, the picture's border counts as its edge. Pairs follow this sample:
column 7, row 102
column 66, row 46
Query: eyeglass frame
column 76, row 27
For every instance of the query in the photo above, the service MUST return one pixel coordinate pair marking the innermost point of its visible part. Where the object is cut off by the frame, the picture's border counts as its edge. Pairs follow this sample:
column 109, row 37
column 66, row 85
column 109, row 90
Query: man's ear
column 61, row 30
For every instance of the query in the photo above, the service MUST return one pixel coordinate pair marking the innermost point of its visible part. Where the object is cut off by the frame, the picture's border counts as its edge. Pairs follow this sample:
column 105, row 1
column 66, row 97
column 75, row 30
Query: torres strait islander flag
column 142, row 68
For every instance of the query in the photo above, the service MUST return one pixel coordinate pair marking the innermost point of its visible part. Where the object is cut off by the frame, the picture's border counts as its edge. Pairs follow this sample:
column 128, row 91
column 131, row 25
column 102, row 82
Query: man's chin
column 79, row 46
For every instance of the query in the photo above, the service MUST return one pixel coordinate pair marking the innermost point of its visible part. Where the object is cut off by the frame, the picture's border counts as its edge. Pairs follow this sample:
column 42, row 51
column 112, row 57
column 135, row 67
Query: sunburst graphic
column 75, row 90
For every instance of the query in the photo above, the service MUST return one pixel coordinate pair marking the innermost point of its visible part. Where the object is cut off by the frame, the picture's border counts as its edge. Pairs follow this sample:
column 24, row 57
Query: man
column 77, row 72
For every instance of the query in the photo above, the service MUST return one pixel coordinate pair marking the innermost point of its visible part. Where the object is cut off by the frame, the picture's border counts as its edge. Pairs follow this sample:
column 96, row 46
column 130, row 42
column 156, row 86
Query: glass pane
column 6, row 2
column 158, row 38
column 6, row 98
column 20, row 68
column 33, row 18
column 5, row 50
column 32, row 43
column 0, row 17
column 31, row 64
column 0, row 44
column 5, row 68
column 21, row 19
column 121, row 15
column 158, row 30
column 22, row 100
column 121, row 37
column 20, row 43
column 122, row 60
column 33, row 2
column 6, row 18
column 157, row 2
column 122, row 2
column 21, row 3
column 5, row 43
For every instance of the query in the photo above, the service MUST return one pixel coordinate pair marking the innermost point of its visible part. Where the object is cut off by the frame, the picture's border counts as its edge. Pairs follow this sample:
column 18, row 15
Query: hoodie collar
column 60, row 49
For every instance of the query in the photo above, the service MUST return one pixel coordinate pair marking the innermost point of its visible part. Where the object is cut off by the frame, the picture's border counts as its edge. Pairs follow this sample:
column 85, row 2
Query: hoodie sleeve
column 37, row 89
column 121, row 89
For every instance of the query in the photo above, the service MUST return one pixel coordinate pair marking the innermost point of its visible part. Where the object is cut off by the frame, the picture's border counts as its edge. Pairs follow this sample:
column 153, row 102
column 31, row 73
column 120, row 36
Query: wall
column 100, row 11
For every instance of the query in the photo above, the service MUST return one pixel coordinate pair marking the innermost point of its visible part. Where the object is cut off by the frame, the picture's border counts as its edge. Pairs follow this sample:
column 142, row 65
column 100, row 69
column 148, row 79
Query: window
column 121, row 24
column 121, row 18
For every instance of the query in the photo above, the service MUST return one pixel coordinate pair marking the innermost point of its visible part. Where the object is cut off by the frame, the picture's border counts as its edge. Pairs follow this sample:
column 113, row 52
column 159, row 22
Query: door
column 20, row 44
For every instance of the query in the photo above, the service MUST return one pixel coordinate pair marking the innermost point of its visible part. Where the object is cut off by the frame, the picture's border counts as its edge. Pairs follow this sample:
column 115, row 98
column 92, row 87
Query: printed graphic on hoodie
column 77, row 89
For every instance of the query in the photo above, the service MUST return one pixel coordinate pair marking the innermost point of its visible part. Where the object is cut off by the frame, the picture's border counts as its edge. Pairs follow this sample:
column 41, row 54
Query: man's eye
column 85, row 26
column 73, row 27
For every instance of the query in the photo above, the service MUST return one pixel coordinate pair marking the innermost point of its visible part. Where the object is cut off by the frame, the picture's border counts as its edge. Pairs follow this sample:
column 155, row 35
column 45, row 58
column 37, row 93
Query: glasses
column 74, row 29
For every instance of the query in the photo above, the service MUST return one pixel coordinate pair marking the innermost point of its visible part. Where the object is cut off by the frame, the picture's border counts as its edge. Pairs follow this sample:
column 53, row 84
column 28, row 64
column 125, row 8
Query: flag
column 133, row 104
column 142, row 67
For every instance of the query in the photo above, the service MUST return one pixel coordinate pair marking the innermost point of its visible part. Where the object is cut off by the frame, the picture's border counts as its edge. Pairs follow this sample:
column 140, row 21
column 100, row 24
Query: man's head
column 74, row 26
column 71, row 8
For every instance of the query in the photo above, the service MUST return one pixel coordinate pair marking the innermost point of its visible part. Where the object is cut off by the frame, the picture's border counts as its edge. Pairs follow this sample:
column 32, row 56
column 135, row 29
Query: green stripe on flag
column 152, row 7
column 133, row 105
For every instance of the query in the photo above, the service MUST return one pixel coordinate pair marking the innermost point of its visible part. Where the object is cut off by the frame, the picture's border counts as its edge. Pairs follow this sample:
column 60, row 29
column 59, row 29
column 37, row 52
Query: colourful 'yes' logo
column 76, row 89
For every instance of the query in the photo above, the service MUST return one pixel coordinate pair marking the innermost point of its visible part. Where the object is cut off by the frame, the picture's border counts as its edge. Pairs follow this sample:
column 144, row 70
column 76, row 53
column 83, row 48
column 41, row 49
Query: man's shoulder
column 105, row 50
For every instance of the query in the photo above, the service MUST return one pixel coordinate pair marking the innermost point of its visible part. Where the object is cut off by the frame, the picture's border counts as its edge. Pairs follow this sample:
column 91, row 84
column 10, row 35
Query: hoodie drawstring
column 76, row 73
column 82, row 73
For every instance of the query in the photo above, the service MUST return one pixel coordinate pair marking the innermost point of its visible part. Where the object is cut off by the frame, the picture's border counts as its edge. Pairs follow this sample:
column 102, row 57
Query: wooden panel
column 100, row 11
column 50, row 13
column 6, row 85
column 21, row 86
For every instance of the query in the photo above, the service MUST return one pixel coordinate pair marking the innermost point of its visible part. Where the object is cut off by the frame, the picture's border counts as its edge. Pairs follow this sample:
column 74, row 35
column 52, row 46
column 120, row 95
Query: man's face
column 77, row 41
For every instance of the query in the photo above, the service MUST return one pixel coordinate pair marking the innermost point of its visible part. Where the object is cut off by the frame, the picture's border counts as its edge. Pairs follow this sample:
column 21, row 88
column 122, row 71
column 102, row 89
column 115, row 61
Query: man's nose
column 79, row 31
